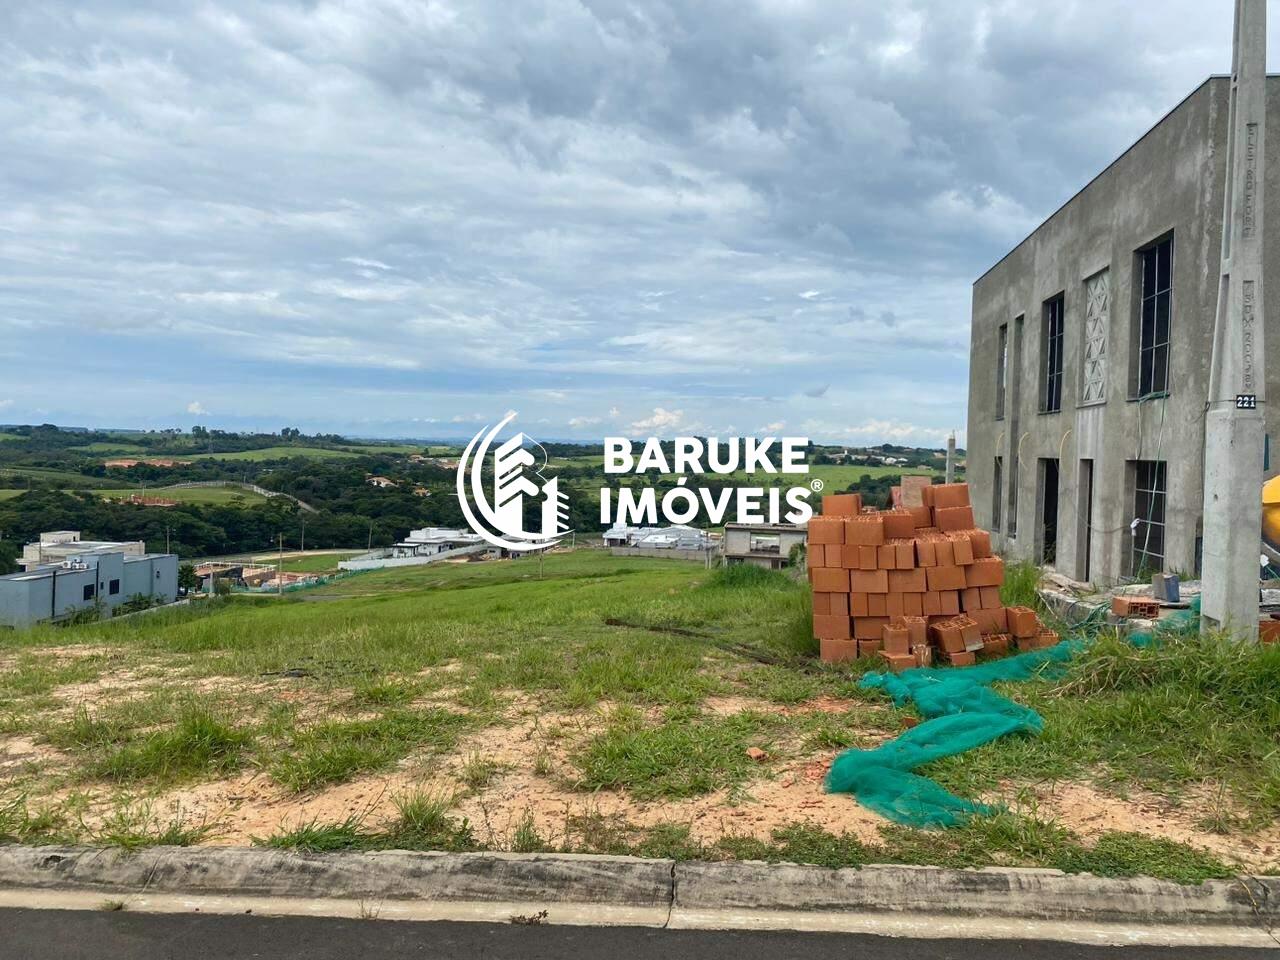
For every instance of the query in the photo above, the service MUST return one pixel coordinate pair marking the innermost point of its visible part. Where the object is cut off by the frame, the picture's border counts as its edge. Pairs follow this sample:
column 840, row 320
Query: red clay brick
column 926, row 553
column 858, row 605
column 868, row 557
column 838, row 650
column 917, row 629
column 980, row 540
column 869, row 581
column 904, row 555
column 898, row 523
column 913, row 604
column 945, row 578
column 842, row 505
column 868, row 648
column 897, row 662
column 839, row 604
column 962, row 548
column 867, row 530
column 949, row 495
column 868, row 628
column 987, row 572
column 951, row 519
column 908, row 581
column 1023, row 622
column 830, row 580
column 943, row 551
column 893, row 605
column 831, row 628
column 886, row 556
column 990, row 597
column 971, row 599
column 997, row 644
column 822, row 603
column 895, row 639
column 824, row 530
column 932, row 603
column 817, row 555
column 950, row 600
column 878, row 604
column 964, row 658
column 992, row 620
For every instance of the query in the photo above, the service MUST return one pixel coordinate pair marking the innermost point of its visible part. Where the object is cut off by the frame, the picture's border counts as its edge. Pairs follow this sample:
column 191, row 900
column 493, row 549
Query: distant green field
column 10, row 494
column 10, row 436
column 384, row 448
column 109, row 447
column 67, row 478
column 222, row 495
column 275, row 453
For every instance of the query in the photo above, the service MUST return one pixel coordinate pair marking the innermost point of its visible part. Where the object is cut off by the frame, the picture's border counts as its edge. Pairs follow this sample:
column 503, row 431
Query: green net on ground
column 963, row 713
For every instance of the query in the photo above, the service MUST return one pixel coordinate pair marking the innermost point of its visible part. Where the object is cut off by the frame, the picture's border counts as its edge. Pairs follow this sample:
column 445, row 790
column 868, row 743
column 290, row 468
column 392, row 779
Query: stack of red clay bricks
column 911, row 584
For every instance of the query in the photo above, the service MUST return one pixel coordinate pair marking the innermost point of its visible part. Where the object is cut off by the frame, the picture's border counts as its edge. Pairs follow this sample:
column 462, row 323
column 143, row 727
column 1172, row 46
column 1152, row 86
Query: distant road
column 95, row 935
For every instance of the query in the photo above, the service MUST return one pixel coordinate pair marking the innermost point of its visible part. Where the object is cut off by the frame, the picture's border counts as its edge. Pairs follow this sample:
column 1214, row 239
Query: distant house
column 432, row 540
column 421, row 492
column 678, row 540
column 765, row 545
column 382, row 483
column 64, row 575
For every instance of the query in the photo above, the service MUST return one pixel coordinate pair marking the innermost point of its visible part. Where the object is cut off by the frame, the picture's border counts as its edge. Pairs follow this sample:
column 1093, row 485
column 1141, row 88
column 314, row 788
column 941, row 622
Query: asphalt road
column 80, row 935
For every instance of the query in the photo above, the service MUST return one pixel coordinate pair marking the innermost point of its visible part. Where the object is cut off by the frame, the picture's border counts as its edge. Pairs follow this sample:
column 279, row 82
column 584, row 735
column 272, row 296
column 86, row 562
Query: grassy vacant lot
column 188, row 494
column 10, row 494
column 310, row 562
column 608, row 705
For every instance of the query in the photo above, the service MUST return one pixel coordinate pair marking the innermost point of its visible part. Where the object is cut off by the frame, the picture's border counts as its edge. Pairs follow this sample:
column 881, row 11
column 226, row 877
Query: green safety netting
column 963, row 713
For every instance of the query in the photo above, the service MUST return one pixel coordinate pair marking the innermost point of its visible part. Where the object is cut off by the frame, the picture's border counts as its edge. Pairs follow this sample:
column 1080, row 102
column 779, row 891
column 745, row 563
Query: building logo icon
column 516, row 475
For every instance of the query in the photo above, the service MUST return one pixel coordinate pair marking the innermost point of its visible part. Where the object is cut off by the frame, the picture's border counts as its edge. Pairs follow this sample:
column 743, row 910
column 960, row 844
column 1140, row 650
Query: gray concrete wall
column 55, row 593
column 661, row 553
column 1169, row 181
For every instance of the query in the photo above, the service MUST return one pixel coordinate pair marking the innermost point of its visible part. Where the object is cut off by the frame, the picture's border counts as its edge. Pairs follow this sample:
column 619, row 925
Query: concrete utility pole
column 1234, row 423
column 951, row 458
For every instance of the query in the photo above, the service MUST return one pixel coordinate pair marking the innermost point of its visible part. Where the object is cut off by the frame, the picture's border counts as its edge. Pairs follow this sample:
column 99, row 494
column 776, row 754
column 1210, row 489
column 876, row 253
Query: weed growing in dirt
column 199, row 744
column 686, row 755
column 19, row 823
column 133, row 826
column 336, row 751
column 423, row 823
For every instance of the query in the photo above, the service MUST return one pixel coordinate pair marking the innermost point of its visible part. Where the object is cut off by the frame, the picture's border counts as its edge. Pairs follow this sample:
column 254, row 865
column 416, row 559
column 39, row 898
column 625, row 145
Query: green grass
column 219, row 495
column 684, row 756
column 336, row 751
column 423, row 823
column 1021, row 580
column 10, row 494
column 1194, row 711
column 199, row 743
column 397, row 449
column 276, row 453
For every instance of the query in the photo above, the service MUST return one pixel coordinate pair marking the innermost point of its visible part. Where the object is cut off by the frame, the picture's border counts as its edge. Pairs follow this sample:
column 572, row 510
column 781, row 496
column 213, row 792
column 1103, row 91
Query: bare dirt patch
column 1090, row 812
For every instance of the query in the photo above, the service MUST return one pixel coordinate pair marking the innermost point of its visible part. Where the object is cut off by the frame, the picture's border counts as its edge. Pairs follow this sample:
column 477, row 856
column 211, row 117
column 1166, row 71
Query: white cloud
column 363, row 262
column 661, row 420
column 771, row 428
column 5, row 404
column 584, row 421
column 196, row 408
column 467, row 418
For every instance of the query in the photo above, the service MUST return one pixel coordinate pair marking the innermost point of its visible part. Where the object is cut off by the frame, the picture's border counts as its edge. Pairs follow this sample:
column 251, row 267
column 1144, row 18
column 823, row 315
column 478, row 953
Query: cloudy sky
column 405, row 217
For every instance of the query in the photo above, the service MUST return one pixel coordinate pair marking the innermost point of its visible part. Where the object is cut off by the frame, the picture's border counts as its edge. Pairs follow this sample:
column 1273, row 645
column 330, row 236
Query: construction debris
column 910, row 584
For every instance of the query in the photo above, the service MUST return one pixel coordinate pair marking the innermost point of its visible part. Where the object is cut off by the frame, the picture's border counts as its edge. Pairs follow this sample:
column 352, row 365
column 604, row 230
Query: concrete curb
column 665, row 889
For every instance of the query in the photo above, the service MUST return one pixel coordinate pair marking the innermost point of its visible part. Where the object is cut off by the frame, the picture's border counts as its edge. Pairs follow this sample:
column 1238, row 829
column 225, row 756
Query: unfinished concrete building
column 1090, row 353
